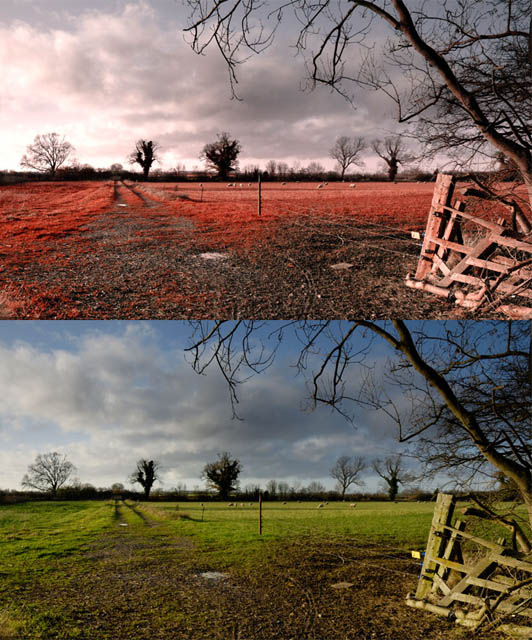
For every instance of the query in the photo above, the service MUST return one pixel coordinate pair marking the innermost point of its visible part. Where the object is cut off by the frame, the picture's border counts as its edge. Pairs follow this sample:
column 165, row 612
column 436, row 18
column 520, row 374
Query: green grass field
column 98, row 570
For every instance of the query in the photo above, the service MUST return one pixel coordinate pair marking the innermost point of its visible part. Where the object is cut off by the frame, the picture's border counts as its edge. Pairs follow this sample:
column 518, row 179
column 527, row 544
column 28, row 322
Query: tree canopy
column 460, row 70
column 47, row 154
column 222, row 474
column 222, row 154
column 392, row 471
column 346, row 471
column 458, row 393
column 49, row 472
column 145, row 474
column 346, row 151
column 393, row 151
column 145, row 154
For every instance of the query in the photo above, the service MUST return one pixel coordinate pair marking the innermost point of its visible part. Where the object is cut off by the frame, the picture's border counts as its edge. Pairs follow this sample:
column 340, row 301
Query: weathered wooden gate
column 491, row 259
column 489, row 585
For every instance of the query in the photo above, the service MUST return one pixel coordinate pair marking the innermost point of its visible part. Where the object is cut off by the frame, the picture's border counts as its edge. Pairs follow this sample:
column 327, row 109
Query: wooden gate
column 488, row 584
column 485, row 266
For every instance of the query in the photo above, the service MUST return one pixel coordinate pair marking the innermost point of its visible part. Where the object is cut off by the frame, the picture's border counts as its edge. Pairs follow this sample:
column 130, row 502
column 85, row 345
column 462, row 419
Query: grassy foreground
column 97, row 570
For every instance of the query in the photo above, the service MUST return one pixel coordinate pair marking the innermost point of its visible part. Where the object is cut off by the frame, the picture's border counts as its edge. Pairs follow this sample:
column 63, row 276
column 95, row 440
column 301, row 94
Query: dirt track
column 143, row 256
column 135, row 588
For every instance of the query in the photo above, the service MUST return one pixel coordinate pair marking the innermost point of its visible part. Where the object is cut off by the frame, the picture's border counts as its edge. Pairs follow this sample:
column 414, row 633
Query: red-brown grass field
column 186, row 250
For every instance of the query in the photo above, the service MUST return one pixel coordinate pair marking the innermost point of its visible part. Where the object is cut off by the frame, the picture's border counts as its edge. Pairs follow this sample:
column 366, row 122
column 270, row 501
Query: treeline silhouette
column 88, row 492
column 87, row 172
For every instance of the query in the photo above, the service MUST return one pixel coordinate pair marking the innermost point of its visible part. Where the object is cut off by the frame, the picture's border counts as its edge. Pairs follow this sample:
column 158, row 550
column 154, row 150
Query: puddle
column 123, row 524
column 212, row 255
column 122, row 205
column 213, row 575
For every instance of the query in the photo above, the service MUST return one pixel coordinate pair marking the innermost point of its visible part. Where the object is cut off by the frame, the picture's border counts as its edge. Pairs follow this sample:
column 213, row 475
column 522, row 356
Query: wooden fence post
column 260, row 514
column 443, row 193
column 443, row 514
column 260, row 196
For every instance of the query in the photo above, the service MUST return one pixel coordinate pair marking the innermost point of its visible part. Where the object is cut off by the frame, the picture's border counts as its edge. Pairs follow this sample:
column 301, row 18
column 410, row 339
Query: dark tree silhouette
column 346, row 151
column 47, row 154
column 346, row 472
column 222, row 475
column 393, row 473
column 460, row 69
column 393, row 152
column 222, row 154
column 145, row 155
column 49, row 472
column 465, row 386
column 146, row 474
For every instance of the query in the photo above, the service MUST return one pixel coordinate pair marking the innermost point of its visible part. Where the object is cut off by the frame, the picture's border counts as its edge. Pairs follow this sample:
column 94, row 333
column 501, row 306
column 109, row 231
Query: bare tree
column 393, row 473
column 346, row 472
column 271, row 168
column 223, row 474
column 145, row 155
column 346, row 151
column 49, row 472
column 460, row 69
column 464, row 387
column 47, row 154
column 222, row 154
column 145, row 474
column 393, row 152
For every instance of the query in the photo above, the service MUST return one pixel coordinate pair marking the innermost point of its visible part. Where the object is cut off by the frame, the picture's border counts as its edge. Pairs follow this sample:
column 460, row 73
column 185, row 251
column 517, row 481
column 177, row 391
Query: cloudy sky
column 109, row 393
column 105, row 73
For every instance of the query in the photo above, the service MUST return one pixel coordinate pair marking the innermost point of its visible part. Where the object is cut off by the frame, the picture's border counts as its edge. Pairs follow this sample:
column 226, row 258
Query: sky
column 105, row 73
column 108, row 393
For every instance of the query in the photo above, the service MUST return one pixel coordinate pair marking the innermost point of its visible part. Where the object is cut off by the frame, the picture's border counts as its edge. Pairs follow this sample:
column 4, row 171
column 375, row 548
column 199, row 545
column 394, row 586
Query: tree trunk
column 519, row 474
column 392, row 170
column 528, row 183
column 518, row 153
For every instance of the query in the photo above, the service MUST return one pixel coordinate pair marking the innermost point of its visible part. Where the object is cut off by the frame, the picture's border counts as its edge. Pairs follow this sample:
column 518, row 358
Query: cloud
column 109, row 77
column 108, row 399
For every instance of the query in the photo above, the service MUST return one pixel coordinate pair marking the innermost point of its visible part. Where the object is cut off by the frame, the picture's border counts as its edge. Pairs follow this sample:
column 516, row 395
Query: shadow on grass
column 138, row 513
column 186, row 516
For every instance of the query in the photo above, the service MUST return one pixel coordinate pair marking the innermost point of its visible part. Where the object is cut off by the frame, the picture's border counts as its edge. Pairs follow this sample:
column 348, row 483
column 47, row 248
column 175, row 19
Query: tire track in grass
column 128, row 514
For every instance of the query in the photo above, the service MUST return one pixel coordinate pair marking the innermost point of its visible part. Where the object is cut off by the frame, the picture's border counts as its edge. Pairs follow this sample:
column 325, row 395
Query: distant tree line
column 51, row 157
column 50, row 476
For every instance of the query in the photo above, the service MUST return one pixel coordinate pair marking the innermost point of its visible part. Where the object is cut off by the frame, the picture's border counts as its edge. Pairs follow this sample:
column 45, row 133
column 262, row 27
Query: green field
column 134, row 570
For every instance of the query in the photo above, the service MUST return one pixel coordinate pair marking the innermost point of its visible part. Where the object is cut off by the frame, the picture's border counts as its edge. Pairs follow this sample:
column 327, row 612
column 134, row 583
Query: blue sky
column 109, row 393
column 105, row 73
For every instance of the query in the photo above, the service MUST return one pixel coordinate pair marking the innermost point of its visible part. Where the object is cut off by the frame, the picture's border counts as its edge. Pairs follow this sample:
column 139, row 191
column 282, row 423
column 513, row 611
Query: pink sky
column 118, row 71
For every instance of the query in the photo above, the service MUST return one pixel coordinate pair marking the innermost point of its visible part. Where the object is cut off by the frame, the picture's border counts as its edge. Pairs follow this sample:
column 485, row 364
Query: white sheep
column 320, row 186
column 320, row 506
column 352, row 186
column 353, row 504
column 231, row 504
column 230, row 184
